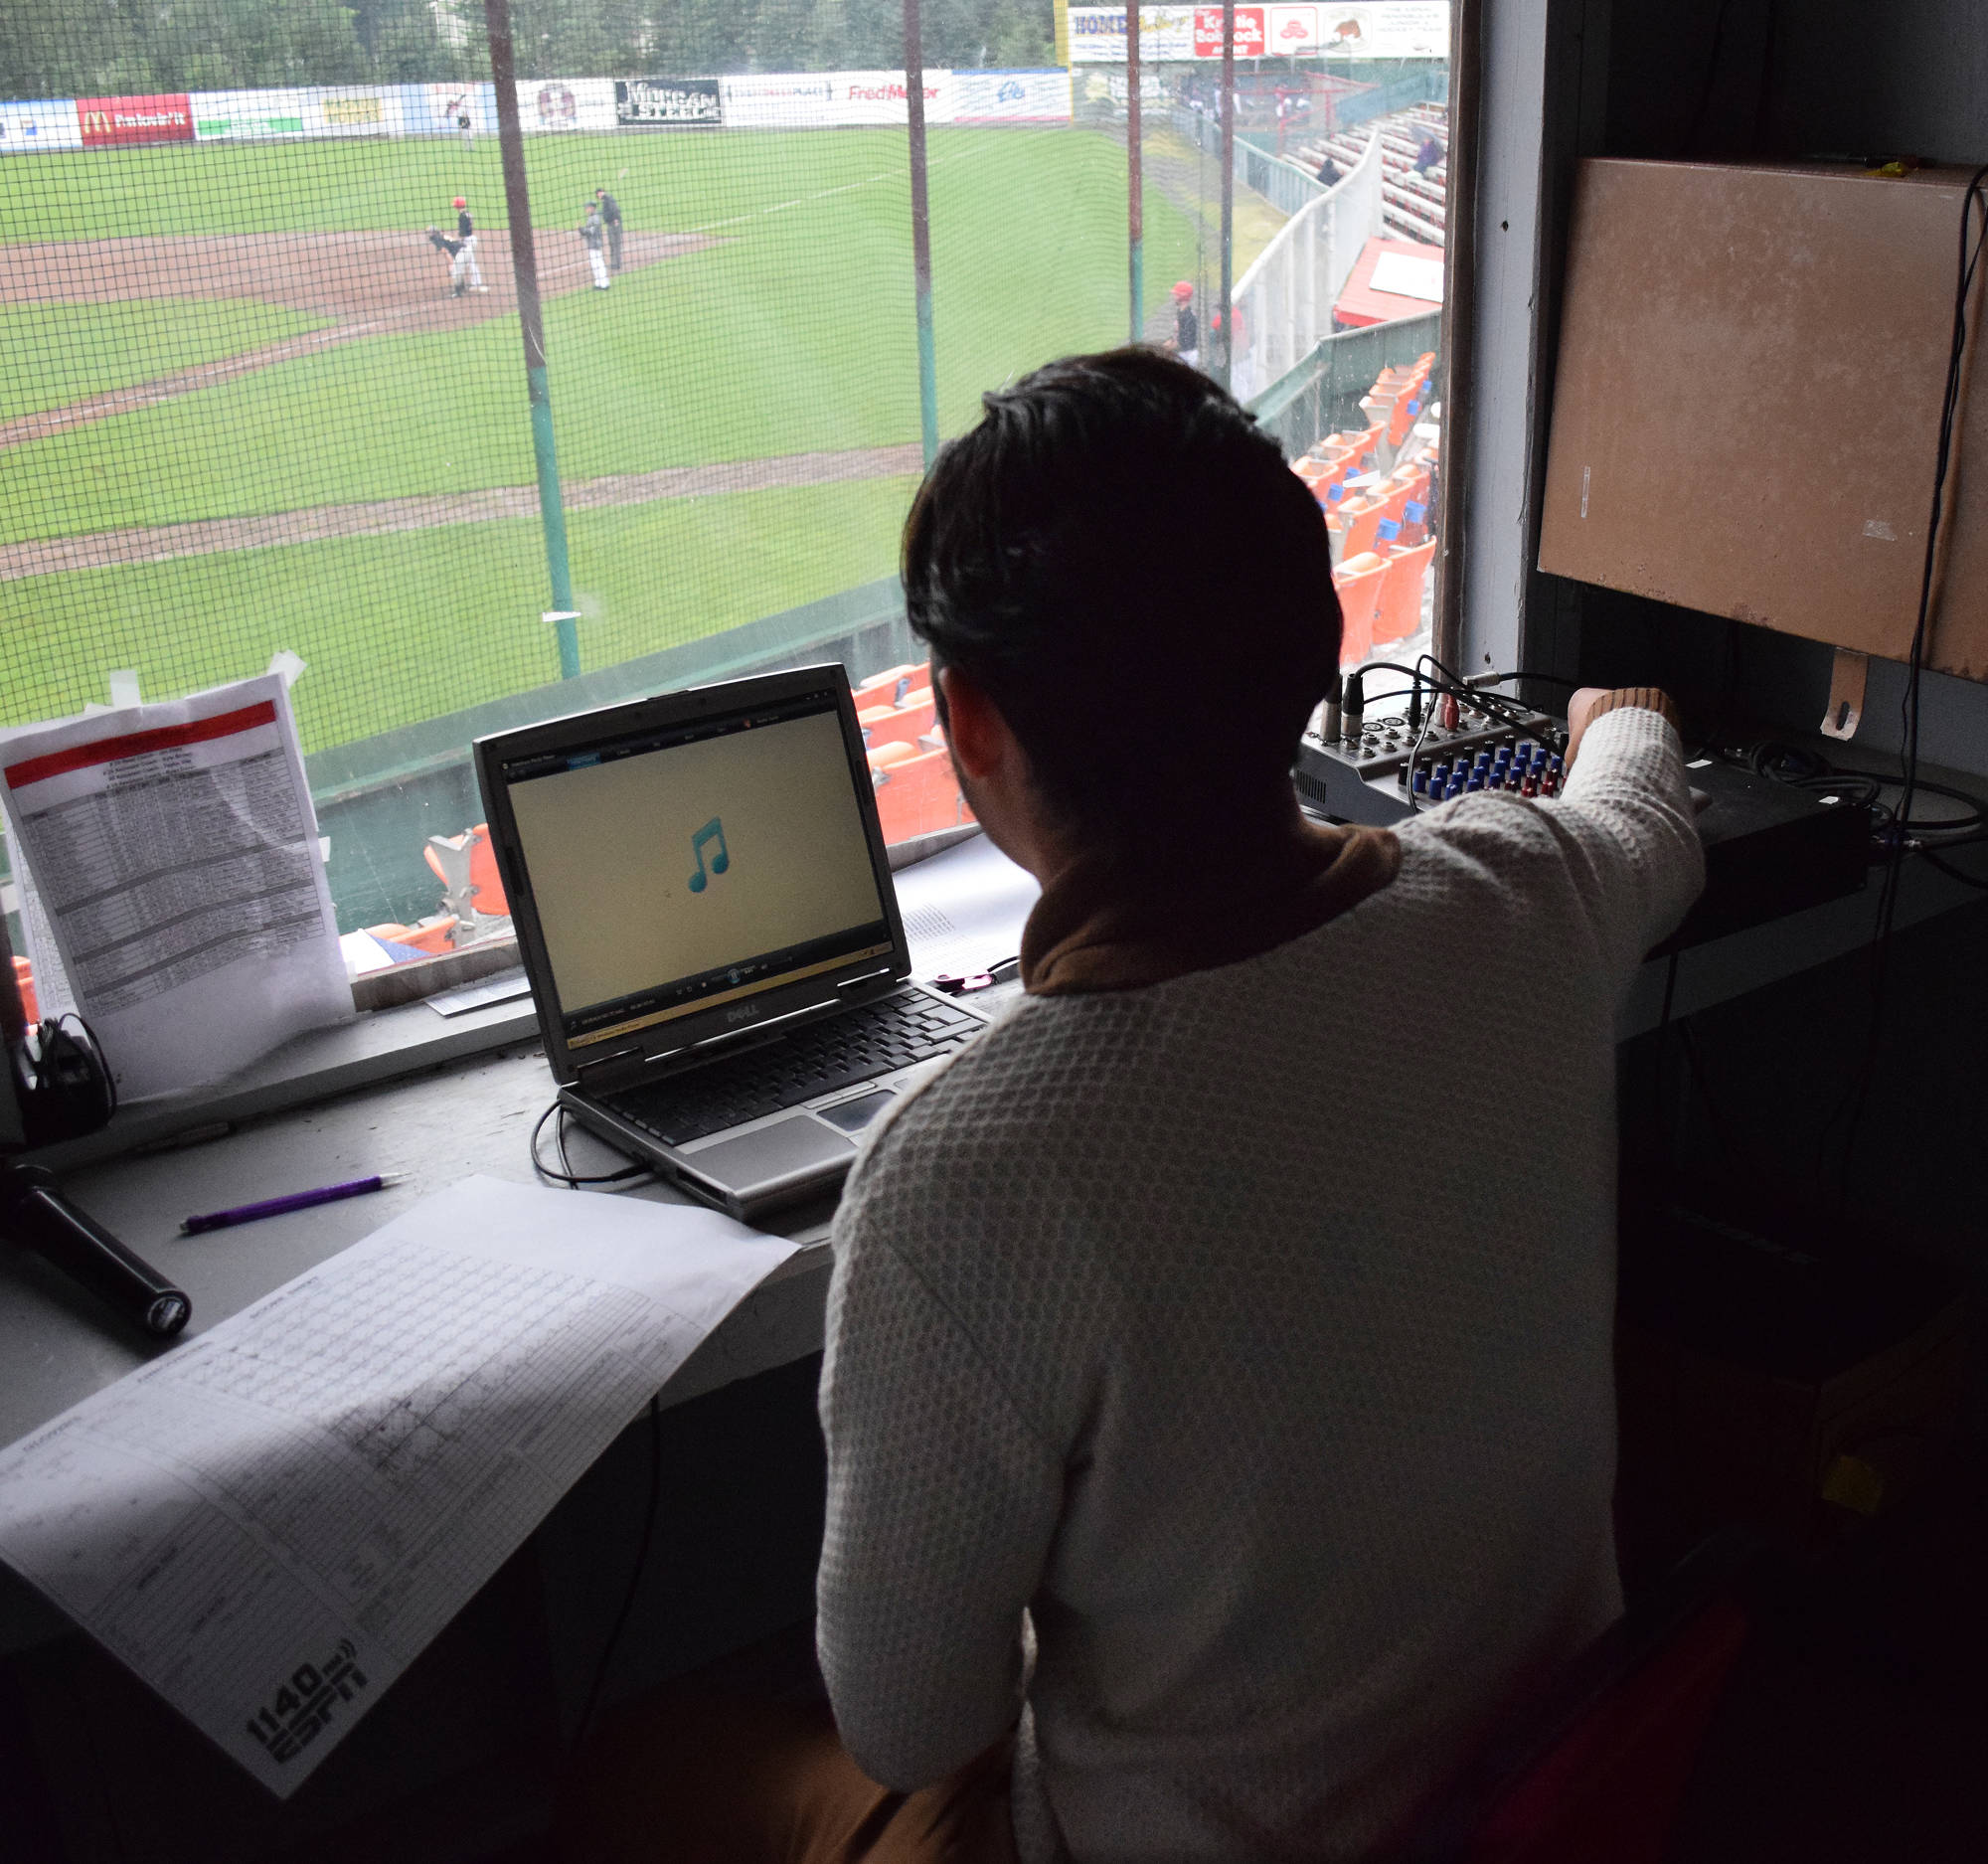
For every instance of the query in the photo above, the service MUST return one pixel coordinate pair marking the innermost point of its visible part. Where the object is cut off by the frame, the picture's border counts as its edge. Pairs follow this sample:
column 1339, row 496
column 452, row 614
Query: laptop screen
column 681, row 867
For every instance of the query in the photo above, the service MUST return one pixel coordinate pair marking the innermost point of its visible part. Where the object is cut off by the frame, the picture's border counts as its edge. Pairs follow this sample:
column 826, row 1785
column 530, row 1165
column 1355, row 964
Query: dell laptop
column 707, row 919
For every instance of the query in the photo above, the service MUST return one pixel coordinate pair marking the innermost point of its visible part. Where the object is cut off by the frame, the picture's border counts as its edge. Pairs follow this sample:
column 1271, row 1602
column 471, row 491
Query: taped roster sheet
column 270, row 1522
column 177, row 897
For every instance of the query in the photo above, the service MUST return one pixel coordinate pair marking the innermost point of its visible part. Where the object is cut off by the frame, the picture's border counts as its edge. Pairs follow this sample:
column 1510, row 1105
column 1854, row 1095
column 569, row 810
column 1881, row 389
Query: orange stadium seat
column 1400, row 610
column 898, row 751
column 1358, row 581
column 1359, row 520
column 893, row 683
column 919, row 795
column 907, row 722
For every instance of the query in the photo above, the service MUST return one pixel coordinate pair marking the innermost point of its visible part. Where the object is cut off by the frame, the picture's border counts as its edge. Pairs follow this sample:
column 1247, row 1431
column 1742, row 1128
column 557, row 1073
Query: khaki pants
column 686, row 1779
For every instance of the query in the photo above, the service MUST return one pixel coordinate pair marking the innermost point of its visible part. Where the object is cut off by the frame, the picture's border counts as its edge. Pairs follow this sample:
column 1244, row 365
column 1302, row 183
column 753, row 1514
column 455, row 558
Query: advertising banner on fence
column 437, row 110
column 1294, row 32
column 1011, row 96
column 104, row 122
column 353, row 111
column 553, row 105
column 1384, row 29
column 1389, row 29
column 248, row 115
column 1097, row 35
column 49, row 124
column 830, row 99
column 667, row 103
column 1208, row 32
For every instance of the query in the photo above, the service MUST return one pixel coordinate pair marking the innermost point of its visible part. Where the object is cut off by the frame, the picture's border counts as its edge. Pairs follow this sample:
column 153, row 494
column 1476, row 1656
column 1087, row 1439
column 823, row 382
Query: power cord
column 574, row 1180
column 1898, row 833
column 635, row 1579
column 566, row 1175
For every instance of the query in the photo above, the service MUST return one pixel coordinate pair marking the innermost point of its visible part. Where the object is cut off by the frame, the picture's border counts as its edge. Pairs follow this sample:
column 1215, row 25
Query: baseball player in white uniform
column 465, row 273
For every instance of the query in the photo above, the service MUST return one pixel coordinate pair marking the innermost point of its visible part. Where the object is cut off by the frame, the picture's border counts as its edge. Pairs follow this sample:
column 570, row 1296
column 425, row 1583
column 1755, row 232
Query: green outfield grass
column 396, row 629
column 57, row 354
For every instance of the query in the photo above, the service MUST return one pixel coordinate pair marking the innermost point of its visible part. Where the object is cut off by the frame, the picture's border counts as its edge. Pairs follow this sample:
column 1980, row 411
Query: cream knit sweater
column 1251, row 1333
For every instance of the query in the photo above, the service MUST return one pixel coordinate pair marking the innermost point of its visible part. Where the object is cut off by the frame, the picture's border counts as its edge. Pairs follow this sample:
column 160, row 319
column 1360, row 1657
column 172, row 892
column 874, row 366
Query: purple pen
column 298, row 1200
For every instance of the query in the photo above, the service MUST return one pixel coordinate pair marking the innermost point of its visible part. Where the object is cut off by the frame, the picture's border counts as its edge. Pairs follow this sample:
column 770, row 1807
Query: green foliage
column 52, row 48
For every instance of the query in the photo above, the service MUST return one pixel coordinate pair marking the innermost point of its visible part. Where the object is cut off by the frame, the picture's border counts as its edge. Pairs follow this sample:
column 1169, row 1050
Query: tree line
column 106, row 47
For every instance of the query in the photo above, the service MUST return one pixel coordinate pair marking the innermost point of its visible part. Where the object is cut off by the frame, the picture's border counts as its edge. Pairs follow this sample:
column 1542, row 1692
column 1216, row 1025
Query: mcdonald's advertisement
column 108, row 121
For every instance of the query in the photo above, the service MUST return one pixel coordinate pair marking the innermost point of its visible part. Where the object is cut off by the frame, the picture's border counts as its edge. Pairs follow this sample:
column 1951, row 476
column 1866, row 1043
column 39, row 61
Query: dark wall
column 1758, row 1086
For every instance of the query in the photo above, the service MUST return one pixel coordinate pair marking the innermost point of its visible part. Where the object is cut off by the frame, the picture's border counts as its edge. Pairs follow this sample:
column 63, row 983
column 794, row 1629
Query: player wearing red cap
column 465, row 274
column 1186, row 342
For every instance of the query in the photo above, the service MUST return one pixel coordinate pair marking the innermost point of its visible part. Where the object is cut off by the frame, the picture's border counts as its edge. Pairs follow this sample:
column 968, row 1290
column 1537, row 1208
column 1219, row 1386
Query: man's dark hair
column 1120, row 557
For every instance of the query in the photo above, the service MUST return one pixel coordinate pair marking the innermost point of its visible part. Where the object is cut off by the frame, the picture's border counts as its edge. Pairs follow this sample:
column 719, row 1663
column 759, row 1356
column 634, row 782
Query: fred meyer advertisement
column 830, row 99
column 107, row 121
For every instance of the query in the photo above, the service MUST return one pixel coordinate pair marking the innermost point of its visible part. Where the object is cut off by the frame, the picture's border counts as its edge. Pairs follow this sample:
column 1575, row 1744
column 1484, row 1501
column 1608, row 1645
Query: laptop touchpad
column 781, row 1150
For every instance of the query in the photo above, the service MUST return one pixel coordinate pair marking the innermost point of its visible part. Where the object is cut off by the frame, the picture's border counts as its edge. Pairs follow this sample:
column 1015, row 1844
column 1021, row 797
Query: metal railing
column 1322, row 394
column 1284, row 301
column 1287, row 186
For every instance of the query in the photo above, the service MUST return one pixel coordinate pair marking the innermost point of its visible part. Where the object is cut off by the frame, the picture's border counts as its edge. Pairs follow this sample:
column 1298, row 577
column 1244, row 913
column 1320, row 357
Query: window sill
column 395, row 1034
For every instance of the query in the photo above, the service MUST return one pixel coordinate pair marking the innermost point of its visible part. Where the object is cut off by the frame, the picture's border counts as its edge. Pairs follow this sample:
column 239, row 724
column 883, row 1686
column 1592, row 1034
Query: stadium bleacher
column 1412, row 206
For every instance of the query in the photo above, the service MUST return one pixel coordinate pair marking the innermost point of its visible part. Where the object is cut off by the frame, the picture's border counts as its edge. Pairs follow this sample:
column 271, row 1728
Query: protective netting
column 263, row 399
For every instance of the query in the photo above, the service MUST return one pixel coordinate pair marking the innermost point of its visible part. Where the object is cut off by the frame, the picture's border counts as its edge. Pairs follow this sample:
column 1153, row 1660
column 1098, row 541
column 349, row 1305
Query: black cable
column 1696, row 1063
column 1704, row 89
column 635, row 1577
column 1898, row 831
column 567, row 1177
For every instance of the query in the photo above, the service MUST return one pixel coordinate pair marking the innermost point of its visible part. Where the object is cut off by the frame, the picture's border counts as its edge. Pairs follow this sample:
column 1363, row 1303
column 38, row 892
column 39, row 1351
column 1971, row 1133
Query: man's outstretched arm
column 1628, row 803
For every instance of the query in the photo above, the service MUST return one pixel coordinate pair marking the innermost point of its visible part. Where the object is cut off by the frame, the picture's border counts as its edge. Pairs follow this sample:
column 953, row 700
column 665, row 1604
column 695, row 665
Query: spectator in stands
column 1429, row 155
column 1329, row 174
column 1186, row 340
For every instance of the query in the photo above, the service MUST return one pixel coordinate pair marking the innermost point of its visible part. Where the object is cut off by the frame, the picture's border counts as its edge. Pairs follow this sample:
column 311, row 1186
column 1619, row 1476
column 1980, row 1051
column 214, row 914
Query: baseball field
column 241, row 414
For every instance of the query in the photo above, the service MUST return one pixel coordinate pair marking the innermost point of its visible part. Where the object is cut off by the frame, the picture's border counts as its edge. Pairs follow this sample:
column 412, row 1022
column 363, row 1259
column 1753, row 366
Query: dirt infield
column 365, row 283
column 162, row 543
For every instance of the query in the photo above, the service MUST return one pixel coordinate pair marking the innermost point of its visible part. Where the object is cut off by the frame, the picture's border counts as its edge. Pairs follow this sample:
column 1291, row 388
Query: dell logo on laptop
column 745, row 1013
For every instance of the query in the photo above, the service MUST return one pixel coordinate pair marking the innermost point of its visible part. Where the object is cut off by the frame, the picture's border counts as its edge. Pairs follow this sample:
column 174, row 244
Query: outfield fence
column 546, row 106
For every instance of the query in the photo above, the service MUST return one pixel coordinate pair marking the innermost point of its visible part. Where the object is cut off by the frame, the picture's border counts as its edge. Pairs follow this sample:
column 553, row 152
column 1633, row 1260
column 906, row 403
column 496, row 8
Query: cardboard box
column 1746, row 403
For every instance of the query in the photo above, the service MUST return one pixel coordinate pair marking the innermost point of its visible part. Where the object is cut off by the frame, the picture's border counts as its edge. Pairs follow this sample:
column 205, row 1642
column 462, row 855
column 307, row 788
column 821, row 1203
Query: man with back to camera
column 1218, row 1393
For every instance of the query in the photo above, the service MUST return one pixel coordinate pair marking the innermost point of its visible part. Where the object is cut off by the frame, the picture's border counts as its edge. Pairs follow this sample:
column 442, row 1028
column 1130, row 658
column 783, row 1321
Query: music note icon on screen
column 713, row 830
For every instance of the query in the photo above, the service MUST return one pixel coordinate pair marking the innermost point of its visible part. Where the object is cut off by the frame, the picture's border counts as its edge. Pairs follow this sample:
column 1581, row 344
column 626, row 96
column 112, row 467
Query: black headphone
column 60, row 1081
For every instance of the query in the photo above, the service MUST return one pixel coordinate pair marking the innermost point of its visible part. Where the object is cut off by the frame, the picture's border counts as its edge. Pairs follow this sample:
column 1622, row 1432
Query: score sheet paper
column 175, row 871
column 270, row 1521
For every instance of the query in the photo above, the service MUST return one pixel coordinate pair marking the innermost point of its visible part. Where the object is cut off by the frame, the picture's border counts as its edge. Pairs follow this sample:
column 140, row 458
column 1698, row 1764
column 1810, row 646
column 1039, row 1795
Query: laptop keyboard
column 838, row 1052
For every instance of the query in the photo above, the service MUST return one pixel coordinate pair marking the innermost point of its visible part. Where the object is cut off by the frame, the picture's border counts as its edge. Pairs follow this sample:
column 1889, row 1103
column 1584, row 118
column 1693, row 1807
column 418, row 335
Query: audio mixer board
column 1366, row 778
column 1771, row 849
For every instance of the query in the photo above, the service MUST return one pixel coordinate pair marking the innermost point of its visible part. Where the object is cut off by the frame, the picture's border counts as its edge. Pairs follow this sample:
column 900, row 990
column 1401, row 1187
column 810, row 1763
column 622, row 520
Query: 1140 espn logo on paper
column 302, row 1707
